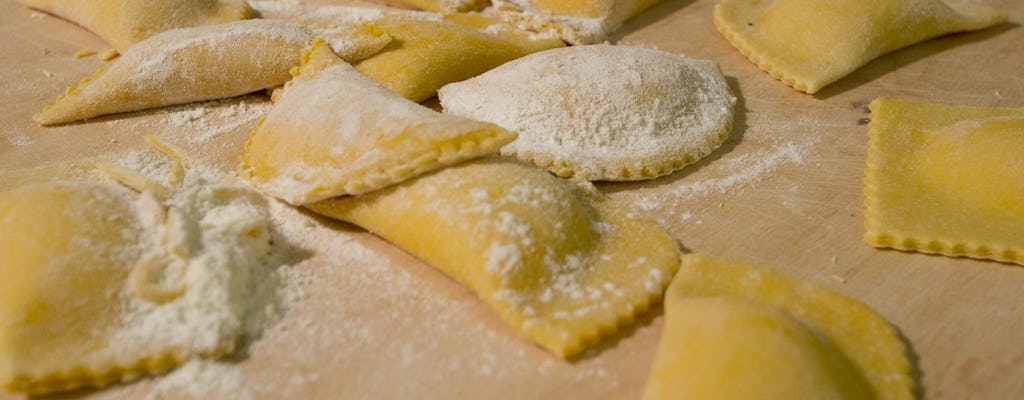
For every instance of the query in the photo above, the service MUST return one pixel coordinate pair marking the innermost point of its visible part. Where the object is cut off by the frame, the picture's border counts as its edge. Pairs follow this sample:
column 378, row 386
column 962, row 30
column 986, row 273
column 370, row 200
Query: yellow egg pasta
column 103, row 284
column 946, row 179
column 728, row 348
column 122, row 23
column 425, row 55
column 735, row 331
column 334, row 132
column 555, row 260
column 196, row 64
column 809, row 44
column 68, row 245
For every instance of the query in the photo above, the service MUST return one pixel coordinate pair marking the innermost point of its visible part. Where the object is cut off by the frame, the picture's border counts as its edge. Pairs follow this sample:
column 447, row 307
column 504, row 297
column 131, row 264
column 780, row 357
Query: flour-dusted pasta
column 602, row 112
column 196, row 64
column 104, row 284
column 335, row 132
column 555, row 259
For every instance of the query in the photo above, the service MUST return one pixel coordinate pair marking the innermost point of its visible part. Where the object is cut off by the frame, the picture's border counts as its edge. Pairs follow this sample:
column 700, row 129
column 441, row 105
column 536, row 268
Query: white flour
column 212, row 119
column 200, row 123
column 727, row 176
column 229, row 281
column 745, row 169
column 573, row 29
column 16, row 138
column 200, row 379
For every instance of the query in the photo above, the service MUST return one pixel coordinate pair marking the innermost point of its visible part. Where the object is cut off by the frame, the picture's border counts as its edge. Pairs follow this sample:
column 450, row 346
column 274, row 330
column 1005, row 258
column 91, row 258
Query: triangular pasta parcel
column 335, row 132
column 203, row 63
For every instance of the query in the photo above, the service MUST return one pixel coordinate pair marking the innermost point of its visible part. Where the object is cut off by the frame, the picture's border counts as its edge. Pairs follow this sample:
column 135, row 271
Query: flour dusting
column 17, row 138
column 200, row 379
column 218, row 230
column 745, row 169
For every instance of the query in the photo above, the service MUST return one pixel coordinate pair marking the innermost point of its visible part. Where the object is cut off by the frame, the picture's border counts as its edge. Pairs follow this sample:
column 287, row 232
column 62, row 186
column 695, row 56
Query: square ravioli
column 946, row 179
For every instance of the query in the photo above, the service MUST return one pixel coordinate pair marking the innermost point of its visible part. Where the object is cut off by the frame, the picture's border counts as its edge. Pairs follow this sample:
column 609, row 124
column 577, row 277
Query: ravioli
column 946, row 179
column 103, row 284
column 555, row 259
column 726, row 348
column 425, row 55
column 122, row 23
column 739, row 332
column 195, row 64
column 334, row 132
column 602, row 112
column 809, row 44
column 575, row 21
column 101, row 237
column 442, row 6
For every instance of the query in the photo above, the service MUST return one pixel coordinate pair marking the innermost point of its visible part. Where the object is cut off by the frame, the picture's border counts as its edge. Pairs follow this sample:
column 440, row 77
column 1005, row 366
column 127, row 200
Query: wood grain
column 785, row 192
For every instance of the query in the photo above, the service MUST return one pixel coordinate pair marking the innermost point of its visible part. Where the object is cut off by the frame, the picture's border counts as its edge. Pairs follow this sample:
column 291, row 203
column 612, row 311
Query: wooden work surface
column 784, row 192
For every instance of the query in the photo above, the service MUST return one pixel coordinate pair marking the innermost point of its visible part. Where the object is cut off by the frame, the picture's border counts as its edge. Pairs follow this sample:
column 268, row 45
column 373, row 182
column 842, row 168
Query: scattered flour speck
column 17, row 138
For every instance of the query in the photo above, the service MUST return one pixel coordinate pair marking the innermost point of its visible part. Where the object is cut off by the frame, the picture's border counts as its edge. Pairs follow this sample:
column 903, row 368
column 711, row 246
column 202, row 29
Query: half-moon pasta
column 746, row 332
column 554, row 258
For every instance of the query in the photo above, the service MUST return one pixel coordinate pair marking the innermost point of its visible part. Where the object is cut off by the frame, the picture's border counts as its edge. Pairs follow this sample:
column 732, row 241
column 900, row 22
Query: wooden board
column 784, row 192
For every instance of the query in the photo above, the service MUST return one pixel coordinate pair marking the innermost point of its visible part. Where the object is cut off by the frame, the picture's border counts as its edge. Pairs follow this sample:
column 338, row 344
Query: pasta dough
column 602, row 112
column 195, row 64
column 555, row 259
column 122, row 23
column 425, row 55
column 946, row 179
column 736, row 331
column 575, row 21
column 103, row 285
column 808, row 44
column 335, row 132
column 98, row 244
column 725, row 348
